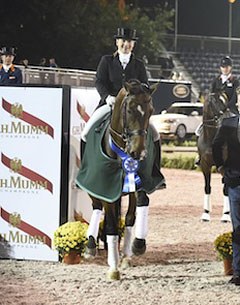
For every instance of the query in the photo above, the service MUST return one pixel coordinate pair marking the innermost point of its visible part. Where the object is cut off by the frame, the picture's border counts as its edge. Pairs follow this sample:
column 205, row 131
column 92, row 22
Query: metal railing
column 57, row 76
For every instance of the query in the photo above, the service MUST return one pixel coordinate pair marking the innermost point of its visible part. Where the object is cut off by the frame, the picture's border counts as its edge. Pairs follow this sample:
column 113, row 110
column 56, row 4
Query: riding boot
column 82, row 148
column 156, row 171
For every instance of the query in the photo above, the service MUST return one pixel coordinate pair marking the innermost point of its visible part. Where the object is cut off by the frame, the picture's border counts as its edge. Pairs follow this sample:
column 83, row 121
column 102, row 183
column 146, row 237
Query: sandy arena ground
column 179, row 267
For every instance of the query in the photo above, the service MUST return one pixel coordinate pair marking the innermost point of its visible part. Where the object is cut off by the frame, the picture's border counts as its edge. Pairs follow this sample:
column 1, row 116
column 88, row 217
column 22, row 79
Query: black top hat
column 8, row 51
column 226, row 61
column 127, row 34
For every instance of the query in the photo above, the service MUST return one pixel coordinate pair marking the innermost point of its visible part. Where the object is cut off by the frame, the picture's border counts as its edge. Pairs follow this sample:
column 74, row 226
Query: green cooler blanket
column 101, row 176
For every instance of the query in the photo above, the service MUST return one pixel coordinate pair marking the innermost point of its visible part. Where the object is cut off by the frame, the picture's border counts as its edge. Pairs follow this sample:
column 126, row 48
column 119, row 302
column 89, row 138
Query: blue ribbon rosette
column 130, row 166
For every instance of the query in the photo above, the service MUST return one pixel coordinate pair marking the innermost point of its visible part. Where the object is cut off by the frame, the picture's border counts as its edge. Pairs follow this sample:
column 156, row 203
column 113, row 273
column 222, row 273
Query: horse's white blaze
column 139, row 108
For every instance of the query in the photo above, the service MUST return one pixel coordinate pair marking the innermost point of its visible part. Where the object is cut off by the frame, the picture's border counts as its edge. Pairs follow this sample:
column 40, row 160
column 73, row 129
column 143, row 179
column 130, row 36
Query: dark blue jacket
column 13, row 76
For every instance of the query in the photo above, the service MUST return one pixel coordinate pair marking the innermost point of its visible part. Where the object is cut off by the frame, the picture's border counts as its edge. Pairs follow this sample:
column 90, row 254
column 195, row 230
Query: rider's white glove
column 110, row 100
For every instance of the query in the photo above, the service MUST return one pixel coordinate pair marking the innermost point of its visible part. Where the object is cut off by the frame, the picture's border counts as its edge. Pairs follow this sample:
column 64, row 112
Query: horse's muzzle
column 138, row 155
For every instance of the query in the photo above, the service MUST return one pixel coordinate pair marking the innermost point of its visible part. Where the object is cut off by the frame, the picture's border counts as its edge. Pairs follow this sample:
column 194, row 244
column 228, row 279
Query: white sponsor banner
column 83, row 103
column 30, row 171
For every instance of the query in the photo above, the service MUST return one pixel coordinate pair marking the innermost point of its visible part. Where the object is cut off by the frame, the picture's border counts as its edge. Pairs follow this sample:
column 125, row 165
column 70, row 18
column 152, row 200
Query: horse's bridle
column 126, row 133
column 214, row 122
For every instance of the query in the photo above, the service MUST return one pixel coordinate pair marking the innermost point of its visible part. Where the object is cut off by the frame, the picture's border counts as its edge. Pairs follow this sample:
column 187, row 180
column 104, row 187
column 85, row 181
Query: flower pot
column 227, row 263
column 71, row 258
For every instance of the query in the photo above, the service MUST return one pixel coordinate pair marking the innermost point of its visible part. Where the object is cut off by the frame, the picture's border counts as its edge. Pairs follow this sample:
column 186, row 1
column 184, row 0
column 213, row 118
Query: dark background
column 202, row 17
column 51, row 28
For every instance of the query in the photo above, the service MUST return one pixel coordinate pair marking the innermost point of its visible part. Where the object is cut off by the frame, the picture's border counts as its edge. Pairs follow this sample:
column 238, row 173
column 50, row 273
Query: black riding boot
column 82, row 148
column 157, row 166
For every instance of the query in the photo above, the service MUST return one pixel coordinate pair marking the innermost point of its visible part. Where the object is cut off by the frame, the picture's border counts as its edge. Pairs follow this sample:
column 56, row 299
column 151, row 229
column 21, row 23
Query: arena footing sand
column 179, row 267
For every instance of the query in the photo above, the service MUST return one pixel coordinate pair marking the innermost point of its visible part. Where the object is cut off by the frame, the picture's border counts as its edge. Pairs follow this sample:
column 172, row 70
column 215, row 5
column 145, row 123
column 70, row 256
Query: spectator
column 43, row 62
column 228, row 137
column 227, row 82
column 52, row 63
column 9, row 74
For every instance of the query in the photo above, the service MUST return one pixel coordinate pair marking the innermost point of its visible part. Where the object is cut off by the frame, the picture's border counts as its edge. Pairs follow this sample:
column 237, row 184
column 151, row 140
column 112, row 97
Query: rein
column 214, row 120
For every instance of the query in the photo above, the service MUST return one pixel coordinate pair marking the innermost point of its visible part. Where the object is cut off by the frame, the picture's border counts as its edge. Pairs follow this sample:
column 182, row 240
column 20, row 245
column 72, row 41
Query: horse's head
column 130, row 118
column 216, row 105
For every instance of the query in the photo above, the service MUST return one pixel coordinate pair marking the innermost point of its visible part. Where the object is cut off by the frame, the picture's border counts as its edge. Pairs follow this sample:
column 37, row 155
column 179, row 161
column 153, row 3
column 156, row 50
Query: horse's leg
column 226, row 207
column 141, row 229
column 92, row 233
column 112, row 222
column 207, row 204
column 129, row 223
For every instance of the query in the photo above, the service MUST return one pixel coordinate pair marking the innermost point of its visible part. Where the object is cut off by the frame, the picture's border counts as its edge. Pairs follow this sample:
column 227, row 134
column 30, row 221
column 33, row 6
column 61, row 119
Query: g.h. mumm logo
column 35, row 125
column 34, row 181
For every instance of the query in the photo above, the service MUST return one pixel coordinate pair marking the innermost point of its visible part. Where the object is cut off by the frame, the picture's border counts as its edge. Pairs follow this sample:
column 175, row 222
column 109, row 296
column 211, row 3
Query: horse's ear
column 153, row 88
column 127, row 86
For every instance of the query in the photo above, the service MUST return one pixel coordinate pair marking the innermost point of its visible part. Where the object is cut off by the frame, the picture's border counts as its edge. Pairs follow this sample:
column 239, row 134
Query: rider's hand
column 110, row 100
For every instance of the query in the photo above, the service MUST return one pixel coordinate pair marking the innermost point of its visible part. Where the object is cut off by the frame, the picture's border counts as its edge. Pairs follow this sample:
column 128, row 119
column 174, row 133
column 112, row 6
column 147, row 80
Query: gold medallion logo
column 181, row 91
column 15, row 219
column 16, row 165
column 17, row 110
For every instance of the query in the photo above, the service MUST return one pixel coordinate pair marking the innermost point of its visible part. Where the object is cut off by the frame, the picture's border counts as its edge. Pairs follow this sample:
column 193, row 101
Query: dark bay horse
column 214, row 110
column 122, row 168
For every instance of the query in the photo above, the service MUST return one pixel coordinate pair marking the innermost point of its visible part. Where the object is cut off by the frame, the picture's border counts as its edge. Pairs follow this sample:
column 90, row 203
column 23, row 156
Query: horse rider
column 9, row 74
column 226, row 83
column 229, row 134
column 112, row 72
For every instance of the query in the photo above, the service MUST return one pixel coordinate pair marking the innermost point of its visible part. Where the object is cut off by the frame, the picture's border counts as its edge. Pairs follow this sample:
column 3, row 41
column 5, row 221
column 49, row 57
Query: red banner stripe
column 27, row 117
column 82, row 113
column 28, row 173
column 27, row 228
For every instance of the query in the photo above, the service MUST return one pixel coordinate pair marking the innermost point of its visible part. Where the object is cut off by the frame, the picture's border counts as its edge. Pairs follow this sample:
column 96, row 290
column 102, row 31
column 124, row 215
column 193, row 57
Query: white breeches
column 97, row 114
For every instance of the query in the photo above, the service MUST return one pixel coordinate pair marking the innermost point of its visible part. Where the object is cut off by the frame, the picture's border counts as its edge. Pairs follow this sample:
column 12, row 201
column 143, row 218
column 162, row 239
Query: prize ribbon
column 130, row 166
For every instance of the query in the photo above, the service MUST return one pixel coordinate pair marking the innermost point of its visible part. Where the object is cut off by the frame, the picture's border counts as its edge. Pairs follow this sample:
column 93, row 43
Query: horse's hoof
column 225, row 218
column 139, row 246
column 205, row 217
column 113, row 275
column 126, row 263
column 91, row 248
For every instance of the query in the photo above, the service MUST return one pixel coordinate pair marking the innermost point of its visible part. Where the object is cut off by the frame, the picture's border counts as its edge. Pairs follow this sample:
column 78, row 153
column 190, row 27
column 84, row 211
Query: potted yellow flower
column 70, row 239
column 223, row 247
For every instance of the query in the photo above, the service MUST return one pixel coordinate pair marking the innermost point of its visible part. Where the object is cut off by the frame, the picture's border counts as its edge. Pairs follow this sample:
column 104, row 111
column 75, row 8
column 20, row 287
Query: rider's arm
column 102, row 78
